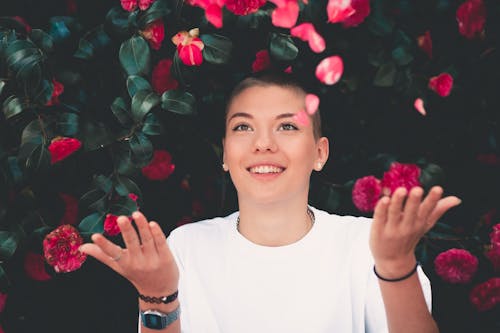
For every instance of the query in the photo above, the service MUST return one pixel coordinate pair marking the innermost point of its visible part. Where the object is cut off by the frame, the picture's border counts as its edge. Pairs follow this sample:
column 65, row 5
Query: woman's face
column 269, row 155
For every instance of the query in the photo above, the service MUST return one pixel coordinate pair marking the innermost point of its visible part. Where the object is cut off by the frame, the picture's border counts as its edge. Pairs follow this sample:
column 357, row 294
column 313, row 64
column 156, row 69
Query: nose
column 264, row 141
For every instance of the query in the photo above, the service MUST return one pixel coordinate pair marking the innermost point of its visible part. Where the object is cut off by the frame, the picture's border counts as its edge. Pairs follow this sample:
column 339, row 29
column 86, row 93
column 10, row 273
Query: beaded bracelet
column 396, row 279
column 159, row 300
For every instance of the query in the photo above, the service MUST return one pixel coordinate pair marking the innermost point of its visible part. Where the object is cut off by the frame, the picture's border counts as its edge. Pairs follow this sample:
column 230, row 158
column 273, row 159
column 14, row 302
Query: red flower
column 471, row 17
column 366, row 192
column 286, row 13
column 307, row 33
column 262, row 61
column 486, row 295
column 161, row 79
column 362, row 10
column 425, row 43
column 131, row 5
column 161, row 166
column 189, row 47
column 494, row 256
column 456, row 266
column 133, row 196
column 400, row 175
column 339, row 10
column 330, row 70
column 62, row 147
column 154, row 34
column 244, row 7
column 34, row 266
column 441, row 84
column 3, row 300
column 58, row 90
column 110, row 226
column 60, row 249
column 70, row 209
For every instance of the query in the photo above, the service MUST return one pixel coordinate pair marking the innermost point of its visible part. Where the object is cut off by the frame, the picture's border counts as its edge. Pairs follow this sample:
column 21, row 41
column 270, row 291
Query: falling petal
column 288, row 69
column 302, row 118
column 329, row 70
column 419, row 105
column 306, row 32
column 312, row 103
column 286, row 16
column 339, row 10
column 213, row 13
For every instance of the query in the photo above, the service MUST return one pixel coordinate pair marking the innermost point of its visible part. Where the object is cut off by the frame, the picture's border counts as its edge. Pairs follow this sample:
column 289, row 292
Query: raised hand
column 146, row 260
column 398, row 227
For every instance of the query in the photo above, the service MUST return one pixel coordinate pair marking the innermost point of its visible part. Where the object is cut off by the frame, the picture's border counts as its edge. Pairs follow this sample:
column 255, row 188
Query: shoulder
column 352, row 227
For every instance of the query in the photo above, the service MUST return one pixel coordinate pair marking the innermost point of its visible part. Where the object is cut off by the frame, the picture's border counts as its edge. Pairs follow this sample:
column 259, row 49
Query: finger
column 396, row 205
column 412, row 205
column 160, row 241
column 381, row 211
column 129, row 236
column 442, row 207
column 102, row 249
column 430, row 202
column 147, row 242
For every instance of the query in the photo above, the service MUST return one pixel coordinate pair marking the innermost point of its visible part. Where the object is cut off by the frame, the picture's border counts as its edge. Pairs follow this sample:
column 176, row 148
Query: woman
column 279, row 265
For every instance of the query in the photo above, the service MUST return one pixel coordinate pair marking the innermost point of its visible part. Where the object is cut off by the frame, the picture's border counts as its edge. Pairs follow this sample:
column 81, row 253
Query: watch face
column 154, row 321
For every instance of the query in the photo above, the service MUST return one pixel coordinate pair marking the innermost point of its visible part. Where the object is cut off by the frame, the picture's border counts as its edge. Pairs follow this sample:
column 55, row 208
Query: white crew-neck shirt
column 322, row 283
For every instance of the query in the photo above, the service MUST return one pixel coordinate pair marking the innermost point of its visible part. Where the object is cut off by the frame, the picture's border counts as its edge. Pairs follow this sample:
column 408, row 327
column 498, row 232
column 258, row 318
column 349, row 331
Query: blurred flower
column 471, row 17
column 34, row 266
column 161, row 78
column 339, row 10
column 111, row 226
column 456, row 266
column 307, row 33
column 61, row 147
column 441, row 84
column 329, row 70
column 400, row 175
column 24, row 23
column 486, row 295
column 154, row 33
column 361, row 12
column 285, row 14
column 262, row 61
column 366, row 193
column 160, row 167
column 493, row 255
column 312, row 103
column 244, row 7
column 71, row 7
column 418, row 104
column 70, row 209
column 488, row 159
column 60, row 248
column 425, row 43
column 3, row 300
column 58, row 90
column 189, row 47
column 133, row 196
column 212, row 8
column 288, row 70
column 131, row 5
column 495, row 235
column 302, row 118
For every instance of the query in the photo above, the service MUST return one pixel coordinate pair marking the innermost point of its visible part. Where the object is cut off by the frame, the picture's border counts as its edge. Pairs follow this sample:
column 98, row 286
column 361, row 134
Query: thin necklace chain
column 310, row 213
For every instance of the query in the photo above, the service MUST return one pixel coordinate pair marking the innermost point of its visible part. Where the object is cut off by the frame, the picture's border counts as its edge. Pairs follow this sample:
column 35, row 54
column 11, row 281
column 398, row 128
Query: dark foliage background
column 368, row 116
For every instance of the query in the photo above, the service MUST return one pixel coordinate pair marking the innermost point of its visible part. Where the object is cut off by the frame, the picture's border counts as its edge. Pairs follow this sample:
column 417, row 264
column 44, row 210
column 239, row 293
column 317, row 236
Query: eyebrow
column 249, row 116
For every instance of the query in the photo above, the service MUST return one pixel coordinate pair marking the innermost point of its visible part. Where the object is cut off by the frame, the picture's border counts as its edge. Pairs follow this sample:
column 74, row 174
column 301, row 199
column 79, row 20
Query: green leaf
column 252, row 21
column 143, row 102
column 43, row 92
column 122, row 112
column 124, row 206
column 2, row 85
column 93, row 223
column 141, row 148
column 12, row 106
column 152, row 125
column 67, row 124
column 178, row 101
column 95, row 135
column 15, row 171
column 217, row 49
column 103, row 183
column 43, row 40
column 8, row 244
column 402, row 56
column 123, row 162
column 32, row 133
column 155, row 12
column 135, row 56
column 94, row 200
column 431, row 175
column 91, row 43
column 385, row 75
column 117, row 21
column 136, row 83
column 4, row 280
column 125, row 185
column 282, row 47
column 38, row 162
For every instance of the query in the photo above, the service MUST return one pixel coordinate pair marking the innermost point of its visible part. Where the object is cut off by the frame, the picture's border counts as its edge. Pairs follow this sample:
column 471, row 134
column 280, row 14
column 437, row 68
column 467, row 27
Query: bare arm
column 396, row 231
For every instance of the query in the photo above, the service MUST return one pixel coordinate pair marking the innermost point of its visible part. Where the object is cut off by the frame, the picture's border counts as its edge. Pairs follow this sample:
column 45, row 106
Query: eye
column 288, row 127
column 241, row 128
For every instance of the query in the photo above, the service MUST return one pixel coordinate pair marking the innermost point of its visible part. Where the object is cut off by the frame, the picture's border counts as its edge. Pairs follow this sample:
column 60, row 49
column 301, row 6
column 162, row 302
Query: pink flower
column 131, row 5
column 286, row 13
column 400, row 175
column 361, row 12
column 61, row 147
column 418, row 104
column 366, row 193
column 329, row 70
column 307, row 33
column 111, row 226
column 244, row 7
column 486, row 295
column 189, row 47
column 3, row 300
column 70, row 209
column 456, row 266
column 262, row 61
column 58, row 90
column 425, row 43
column 154, row 33
column 60, row 248
column 471, row 18
column 161, row 78
column 133, row 196
column 493, row 255
column 312, row 103
column 213, row 10
column 161, row 167
column 339, row 10
column 441, row 84
column 34, row 266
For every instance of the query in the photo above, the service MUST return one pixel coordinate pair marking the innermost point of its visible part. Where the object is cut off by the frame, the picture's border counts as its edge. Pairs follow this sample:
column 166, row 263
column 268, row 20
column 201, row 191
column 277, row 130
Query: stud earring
column 224, row 167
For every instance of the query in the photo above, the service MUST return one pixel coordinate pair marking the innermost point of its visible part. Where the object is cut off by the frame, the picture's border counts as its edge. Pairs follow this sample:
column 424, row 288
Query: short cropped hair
column 275, row 79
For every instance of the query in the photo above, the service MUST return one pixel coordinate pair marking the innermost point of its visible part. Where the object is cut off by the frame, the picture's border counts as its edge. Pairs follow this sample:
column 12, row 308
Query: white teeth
column 266, row 169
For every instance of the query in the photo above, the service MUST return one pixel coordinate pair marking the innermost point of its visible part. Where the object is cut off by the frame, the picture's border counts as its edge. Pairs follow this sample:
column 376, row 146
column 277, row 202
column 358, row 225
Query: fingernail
column 135, row 215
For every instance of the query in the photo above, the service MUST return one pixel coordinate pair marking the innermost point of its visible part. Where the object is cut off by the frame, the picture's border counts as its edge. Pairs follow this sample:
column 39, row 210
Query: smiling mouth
column 265, row 169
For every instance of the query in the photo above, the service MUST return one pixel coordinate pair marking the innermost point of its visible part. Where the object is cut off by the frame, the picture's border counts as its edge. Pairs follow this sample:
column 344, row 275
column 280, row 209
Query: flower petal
column 306, row 32
column 302, row 118
column 339, row 10
column 419, row 106
column 213, row 13
column 329, row 70
column 286, row 17
column 312, row 103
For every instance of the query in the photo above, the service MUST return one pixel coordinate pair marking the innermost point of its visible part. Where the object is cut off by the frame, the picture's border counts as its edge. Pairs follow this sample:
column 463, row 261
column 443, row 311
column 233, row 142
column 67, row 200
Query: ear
column 322, row 153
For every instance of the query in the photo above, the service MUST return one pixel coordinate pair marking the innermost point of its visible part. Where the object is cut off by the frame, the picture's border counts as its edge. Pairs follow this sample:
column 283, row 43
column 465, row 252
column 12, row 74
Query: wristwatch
column 157, row 320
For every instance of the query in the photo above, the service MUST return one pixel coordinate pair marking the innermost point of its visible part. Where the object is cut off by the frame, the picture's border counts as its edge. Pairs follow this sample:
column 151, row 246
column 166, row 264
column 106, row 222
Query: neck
column 275, row 224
